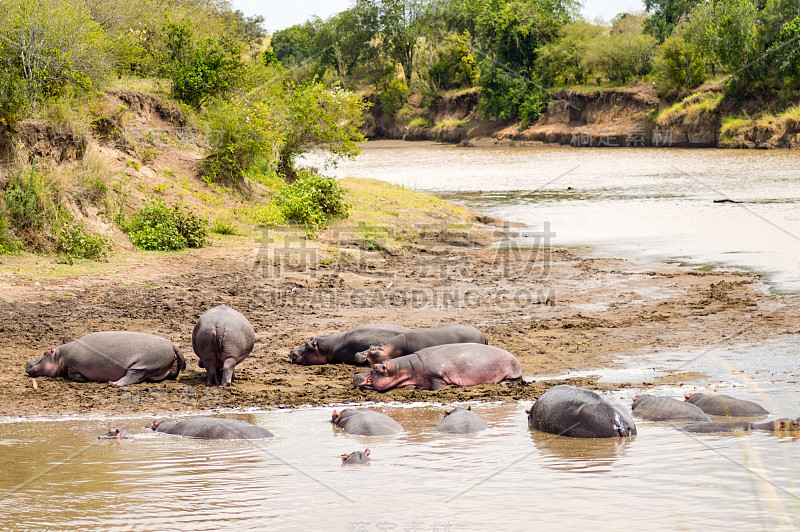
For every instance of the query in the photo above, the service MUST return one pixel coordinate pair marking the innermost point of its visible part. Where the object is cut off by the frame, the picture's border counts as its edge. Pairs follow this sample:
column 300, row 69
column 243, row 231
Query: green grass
column 419, row 121
column 690, row 108
column 451, row 123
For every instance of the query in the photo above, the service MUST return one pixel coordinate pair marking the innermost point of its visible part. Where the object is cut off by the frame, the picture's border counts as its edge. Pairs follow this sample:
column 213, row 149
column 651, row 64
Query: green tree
column 626, row 52
column 665, row 15
column 566, row 60
column 297, row 44
column 345, row 40
column 51, row 44
column 401, row 24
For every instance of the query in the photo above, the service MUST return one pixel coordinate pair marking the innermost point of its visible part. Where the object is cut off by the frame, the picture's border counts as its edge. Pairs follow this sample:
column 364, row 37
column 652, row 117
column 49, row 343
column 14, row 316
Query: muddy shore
column 555, row 310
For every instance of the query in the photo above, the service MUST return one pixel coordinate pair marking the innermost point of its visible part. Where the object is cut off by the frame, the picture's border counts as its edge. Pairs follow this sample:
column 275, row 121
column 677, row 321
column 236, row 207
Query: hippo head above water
column 50, row 365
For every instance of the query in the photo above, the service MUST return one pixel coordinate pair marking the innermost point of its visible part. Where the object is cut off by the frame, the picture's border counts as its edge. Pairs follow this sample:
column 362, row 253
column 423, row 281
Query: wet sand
column 555, row 310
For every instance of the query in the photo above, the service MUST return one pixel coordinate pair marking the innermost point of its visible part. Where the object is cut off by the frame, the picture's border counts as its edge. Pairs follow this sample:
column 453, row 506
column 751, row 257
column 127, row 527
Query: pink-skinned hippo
column 660, row 408
column 580, row 413
column 357, row 457
column 118, row 356
column 417, row 339
column 341, row 348
column 433, row 368
column 365, row 423
column 461, row 421
column 211, row 428
column 725, row 405
column 783, row 425
column 222, row 338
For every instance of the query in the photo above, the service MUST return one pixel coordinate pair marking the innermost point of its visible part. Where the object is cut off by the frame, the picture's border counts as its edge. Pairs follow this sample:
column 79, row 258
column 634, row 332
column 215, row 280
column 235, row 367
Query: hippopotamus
column 461, row 421
column 417, row 339
column 222, row 338
column 580, row 413
column 356, row 457
column 659, row 408
column 211, row 428
column 115, row 434
column 776, row 425
column 365, row 423
column 433, row 368
column 117, row 356
column 725, row 405
column 342, row 347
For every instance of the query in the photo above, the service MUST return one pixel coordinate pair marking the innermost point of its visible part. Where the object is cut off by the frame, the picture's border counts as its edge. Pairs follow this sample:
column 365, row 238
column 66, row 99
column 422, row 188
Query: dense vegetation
column 515, row 51
column 57, row 57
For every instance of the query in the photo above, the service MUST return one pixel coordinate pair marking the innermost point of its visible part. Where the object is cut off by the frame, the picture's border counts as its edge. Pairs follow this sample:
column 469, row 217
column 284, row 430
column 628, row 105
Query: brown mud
column 556, row 311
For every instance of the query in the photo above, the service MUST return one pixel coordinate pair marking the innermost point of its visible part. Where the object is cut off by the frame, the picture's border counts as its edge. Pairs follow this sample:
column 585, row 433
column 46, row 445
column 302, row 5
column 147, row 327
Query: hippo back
column 725, row 405
column 580, row 413
column 213, row 428
column 659, row 408
column 461, row 421
column 417, row 339
column 368, row 423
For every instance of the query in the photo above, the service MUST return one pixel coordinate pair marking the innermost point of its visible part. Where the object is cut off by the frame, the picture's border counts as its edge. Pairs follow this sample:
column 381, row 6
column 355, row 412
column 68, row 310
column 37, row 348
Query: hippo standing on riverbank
column 433, row 368
column 461, row 421
column 725, row 405
column 365, row 423
column 659, row 408
column 211, row 428
column 580, row 413
column 342, row 347
column 118, row 356
column 222, row 338
column 776, row 425
column 418, row 339
column 356, row 457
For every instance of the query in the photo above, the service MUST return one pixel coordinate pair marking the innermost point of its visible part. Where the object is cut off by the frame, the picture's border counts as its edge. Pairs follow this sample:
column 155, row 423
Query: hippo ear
column 469, row 408
column 335, row 416
column 528, row 412
column 366, row 451
column 783, row 424
column 345, row 457
column 687, row 396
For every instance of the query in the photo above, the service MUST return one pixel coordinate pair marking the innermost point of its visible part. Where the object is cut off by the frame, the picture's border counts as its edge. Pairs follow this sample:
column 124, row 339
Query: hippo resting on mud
column 222, row 338
column 725, row 405
column 580, row 413
column 365, row 423
column 356, row 457
column 461, row 421
column 659, row 408
column 777, row 425
column 342, row 347
column 117, row 356
column 433, row 368
column 417, row 339
column 212, row 428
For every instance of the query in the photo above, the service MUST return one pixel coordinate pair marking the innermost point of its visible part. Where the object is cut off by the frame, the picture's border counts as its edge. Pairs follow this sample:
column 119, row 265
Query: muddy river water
column 639, row 203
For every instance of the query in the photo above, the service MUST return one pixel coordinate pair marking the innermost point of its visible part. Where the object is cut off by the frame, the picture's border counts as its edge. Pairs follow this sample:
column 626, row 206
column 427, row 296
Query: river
column 640, row 203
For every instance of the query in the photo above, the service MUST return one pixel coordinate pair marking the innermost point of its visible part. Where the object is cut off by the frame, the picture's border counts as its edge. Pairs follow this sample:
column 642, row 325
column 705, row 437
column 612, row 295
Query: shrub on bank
column 73, row 240
column 312, row 201
column 157, row 226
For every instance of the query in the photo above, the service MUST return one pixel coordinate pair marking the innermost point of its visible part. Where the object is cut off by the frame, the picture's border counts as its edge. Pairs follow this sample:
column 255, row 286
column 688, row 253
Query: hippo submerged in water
column 725, row 405
column 417, row 339
column 365, row 423
column 461, row 421
column 115, row 434
column 777, row 425
column 342, row 347
column 433, row 368
column 117, row 356
column 211, row 428
column 658, row 408
column 580, row 413
column 222, row 338
column 356, row 457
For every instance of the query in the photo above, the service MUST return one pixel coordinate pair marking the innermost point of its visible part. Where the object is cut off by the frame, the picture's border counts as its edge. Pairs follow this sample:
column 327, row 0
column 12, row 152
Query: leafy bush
column 392, row 94
column 74, row 241
column 624, row 56
column 201, row 69
column 505, row 95
column 32, row 203
column 13, row 99
column 312, row 200
column 681, row 66
column 8, row 244
column 223, row 226
column 157, row 226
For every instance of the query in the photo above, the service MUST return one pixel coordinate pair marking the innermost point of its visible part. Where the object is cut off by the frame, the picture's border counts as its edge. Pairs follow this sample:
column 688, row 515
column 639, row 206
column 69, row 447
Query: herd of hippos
column 428, row 358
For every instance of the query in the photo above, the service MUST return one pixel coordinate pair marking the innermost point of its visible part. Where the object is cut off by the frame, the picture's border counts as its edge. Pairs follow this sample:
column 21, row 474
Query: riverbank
column 632, row 116
column 555, row 310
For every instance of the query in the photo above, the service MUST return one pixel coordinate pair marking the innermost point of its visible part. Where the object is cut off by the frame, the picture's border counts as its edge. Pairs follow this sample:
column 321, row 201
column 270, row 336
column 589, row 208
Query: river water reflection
column 651, row 203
